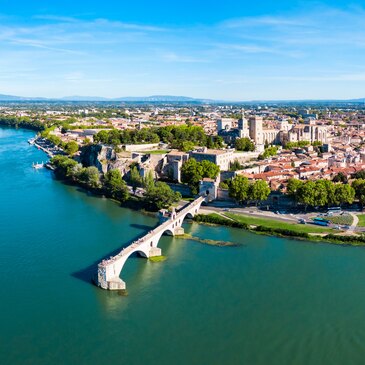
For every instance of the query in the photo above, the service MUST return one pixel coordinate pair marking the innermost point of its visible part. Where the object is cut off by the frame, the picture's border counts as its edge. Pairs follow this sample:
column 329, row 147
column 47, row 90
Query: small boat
column 31, row 141
column 38, row 165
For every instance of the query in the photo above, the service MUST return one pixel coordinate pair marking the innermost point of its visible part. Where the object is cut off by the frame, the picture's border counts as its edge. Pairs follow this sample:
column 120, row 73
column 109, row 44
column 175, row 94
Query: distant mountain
column 161, row 98
column 4, row 97
column 361, row 100
column 154, row 98
column 83, row 98
column 168, row 99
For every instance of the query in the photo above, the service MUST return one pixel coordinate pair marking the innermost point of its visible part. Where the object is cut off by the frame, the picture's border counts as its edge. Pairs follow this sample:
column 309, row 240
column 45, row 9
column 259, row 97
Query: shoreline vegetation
column 22, row 122
column 218, row 220
column 137, row 203
column 157, row 195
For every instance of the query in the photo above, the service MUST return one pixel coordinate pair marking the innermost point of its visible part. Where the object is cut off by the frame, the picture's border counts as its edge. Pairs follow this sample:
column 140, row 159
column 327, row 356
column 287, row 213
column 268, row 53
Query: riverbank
column 295, row 232
column 22, row 122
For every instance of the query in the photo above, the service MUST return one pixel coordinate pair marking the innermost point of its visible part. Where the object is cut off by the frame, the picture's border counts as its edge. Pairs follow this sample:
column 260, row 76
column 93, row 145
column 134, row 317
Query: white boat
column 38, row 165
column 31, row 141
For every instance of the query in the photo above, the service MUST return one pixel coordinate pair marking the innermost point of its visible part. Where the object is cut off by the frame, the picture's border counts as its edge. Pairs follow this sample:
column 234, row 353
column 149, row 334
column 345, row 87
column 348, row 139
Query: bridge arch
column 109, row 271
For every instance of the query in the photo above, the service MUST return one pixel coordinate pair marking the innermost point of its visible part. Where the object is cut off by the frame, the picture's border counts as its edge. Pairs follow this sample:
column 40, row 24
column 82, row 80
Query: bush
column 345, row 239
column 282, row 231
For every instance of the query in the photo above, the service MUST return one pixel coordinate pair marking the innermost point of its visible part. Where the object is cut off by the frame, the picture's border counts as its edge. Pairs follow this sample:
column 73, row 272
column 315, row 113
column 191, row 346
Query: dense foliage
column 359, row 187
column 243, row 191
column 160, row 195
column 193, row 171
column 157, row 195
column 115, row 185
column 244, row 144
column 299, row 144
column 182, row 137
column 22, row 122
column 71, row 148
column 320, row 193
column 235, row 165
column 269, row 152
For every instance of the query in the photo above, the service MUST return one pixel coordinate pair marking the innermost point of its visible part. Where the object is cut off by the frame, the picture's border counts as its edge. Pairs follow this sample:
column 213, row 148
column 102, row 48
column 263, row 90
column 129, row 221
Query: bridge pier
column 154, row 251
column 109, row 269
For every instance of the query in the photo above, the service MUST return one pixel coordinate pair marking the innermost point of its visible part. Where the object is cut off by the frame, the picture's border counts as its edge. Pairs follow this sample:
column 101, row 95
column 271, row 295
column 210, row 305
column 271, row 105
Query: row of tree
column 183, row 137
column 243, row 191
column 320, row 193
column 157, row 195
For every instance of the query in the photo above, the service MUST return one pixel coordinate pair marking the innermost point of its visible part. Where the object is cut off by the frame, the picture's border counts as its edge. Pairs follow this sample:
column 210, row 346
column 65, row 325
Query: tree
column 306, row 194
column 244, row 144
column 187, row 146
column 259, row 191
column 148, row 181
column 90, row 176
column 64, row 166
column 293, row 186
column 330, row 188
column 269, row 151
column 359, row 187
column 193, row 171
column 340, row 177
column 235, row 165
column 54, row 139
column 135, row 178
column 321, row 193
column 344, row 193
column 238, row 189
column 359, row 175
column 191, row 174
column 160, row 196
column 71, row 148
column 115, row 185
column 210, row 169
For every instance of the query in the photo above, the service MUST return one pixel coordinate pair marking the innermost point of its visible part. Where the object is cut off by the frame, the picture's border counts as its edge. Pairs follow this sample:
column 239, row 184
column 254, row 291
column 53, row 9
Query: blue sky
column 234, row 50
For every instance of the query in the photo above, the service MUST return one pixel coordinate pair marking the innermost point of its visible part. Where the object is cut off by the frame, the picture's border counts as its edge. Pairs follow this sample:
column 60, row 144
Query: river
column 267, row 301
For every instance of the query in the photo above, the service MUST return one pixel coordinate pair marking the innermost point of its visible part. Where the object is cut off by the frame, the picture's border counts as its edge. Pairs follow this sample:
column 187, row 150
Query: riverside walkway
column 109, row 270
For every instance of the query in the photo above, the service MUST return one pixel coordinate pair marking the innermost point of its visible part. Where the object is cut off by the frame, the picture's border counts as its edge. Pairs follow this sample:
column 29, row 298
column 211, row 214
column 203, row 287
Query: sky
column 226, row 50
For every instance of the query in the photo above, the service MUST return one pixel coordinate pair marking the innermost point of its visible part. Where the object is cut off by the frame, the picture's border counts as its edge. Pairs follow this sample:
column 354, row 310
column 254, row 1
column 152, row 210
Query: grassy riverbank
column 361, row 220
column 272, row 223
column 279, row 229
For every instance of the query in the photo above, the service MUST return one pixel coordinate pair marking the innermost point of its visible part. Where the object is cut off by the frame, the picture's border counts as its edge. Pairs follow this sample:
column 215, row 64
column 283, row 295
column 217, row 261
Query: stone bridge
column 109, row 270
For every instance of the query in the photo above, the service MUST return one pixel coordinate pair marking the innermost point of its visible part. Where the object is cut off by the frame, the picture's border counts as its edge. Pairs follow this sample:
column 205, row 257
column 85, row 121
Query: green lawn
column 155, row 152
column 361, row 220
column 272, row 223
column 345, row 219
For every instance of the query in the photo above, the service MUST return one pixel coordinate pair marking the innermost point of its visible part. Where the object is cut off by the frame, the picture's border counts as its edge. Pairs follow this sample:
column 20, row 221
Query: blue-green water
column 269, row 301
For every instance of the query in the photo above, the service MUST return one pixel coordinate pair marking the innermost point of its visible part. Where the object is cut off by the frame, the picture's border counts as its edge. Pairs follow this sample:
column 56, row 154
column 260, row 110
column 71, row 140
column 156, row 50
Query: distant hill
column 83, row 98
column 4, row 97
column 154, row 98
column 169, row 99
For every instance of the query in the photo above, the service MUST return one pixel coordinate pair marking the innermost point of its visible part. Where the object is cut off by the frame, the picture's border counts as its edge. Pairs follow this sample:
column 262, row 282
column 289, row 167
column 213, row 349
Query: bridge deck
column 162, row 227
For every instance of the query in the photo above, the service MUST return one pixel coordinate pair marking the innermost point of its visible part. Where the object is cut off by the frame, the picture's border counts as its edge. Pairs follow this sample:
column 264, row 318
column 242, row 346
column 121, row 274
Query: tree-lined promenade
column 320, row 193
